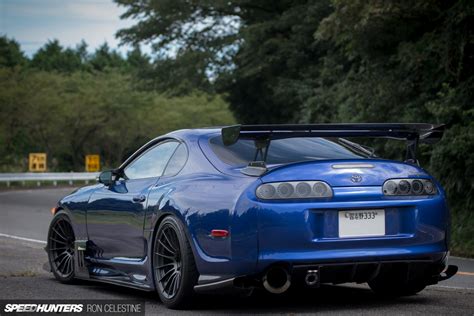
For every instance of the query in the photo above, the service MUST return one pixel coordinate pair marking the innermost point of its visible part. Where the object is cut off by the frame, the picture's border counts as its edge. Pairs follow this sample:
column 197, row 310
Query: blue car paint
column 209, row 194
column 415, row 226
column 116, row 202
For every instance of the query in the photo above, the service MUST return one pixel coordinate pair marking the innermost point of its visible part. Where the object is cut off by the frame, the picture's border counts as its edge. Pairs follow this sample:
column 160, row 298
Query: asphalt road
column 26, row 214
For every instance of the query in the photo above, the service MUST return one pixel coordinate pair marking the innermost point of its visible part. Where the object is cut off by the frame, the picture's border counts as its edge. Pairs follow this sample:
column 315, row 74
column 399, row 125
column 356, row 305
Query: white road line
column 453, row 287
column 23, row 238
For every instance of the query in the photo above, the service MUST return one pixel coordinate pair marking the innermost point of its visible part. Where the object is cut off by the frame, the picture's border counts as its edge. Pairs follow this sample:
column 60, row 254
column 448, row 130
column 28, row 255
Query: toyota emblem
column 356, row 178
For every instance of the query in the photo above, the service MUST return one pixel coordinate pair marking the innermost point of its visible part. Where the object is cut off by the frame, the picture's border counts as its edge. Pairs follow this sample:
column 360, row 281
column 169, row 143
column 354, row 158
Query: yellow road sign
column 37, row 162
column 92, row 163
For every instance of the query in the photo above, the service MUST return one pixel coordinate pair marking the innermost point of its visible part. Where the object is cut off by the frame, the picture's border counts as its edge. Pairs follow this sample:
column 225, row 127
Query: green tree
column 71, row 115
column 10, row 53
column 261, row 54
column 408, row 61
column 181, row 75
column 105, row 58
column 53, row 57
column 276, row 63
column 137, row 60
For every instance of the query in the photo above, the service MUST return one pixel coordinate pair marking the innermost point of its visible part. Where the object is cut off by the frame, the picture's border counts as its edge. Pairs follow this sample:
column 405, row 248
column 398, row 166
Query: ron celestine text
column 69, row 306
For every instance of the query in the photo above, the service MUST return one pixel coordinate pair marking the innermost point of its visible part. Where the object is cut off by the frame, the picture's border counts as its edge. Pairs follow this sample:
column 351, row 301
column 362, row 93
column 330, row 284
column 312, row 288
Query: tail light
column 409, row 187
column 294, row 190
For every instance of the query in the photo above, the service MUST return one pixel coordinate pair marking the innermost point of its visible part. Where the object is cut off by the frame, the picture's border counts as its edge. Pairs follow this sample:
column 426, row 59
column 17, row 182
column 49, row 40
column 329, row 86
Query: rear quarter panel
column 205, row 199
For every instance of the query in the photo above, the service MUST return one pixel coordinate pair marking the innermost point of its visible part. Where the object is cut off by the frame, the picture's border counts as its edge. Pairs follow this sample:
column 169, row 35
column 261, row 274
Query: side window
column 152, row 162
column 177, row 162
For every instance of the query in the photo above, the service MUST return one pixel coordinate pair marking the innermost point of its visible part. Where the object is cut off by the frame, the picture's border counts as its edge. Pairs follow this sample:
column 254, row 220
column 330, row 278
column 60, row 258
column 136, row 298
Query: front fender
column 75, row 206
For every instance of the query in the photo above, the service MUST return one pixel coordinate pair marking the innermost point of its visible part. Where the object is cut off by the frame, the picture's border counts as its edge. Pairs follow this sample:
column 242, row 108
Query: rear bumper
column 432, row 253
column 341, row 272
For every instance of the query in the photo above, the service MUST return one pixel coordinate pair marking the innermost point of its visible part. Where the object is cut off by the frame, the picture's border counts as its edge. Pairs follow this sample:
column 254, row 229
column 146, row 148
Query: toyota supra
column 259, row 206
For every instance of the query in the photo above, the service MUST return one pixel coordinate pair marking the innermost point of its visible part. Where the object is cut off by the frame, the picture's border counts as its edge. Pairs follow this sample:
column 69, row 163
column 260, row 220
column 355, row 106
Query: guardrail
column 47, row 176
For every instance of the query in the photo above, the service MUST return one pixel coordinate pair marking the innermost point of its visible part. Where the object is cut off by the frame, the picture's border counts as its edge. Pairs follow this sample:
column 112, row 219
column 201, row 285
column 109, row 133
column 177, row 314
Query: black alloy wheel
column 168, row 258
column 173, row 264
column 61, row 248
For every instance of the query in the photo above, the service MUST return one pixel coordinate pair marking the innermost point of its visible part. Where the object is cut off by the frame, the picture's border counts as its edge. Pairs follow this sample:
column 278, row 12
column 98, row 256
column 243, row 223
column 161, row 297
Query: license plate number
column 361, row 223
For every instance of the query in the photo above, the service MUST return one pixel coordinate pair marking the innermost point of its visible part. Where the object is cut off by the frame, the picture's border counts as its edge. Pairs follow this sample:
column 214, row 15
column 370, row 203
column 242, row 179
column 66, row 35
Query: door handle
column 139, row 198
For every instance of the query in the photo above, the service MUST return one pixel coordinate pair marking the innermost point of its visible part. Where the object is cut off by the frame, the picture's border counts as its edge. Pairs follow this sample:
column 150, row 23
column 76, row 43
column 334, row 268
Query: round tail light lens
column 404, row 187
column 390, row 187
column 320, row 189
column 417, row 187
column 429, row 187
column 266, row 191
column 303, row 189
column 285, row 190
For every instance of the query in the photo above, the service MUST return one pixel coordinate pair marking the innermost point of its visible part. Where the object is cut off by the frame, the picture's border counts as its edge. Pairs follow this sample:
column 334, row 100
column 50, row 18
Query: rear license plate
column 361, row 223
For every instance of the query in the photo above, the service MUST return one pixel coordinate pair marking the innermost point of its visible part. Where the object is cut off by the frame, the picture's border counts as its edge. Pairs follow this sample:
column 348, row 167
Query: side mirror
column 106, row 177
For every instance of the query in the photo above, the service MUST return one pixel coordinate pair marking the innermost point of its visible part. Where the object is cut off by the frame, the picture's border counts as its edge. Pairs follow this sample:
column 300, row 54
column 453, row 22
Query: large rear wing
column 413, row 133
column 427, row 133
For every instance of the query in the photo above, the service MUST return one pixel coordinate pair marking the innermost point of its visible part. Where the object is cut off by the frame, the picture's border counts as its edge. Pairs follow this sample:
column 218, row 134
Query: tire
column 174, row 269
column 60, row 246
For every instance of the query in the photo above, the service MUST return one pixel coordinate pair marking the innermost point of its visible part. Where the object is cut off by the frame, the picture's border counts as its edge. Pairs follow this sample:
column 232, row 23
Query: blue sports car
column 250, row 206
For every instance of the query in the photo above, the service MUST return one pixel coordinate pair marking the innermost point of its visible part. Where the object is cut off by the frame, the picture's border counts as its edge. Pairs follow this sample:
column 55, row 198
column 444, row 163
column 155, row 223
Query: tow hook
column 312, row 278
column 448, row 273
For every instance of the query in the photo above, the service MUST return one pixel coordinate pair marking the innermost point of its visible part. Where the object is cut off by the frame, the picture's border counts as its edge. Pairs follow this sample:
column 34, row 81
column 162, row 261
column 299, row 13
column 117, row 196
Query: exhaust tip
column 277, row 280
column 312, row 278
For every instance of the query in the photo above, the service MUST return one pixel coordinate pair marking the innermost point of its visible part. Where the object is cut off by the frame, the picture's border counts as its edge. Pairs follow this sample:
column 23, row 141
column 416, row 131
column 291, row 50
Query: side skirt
column 128, row 272
column 118, row 282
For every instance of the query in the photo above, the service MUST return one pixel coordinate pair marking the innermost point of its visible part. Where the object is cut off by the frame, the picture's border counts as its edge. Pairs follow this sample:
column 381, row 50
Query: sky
column 33, row 22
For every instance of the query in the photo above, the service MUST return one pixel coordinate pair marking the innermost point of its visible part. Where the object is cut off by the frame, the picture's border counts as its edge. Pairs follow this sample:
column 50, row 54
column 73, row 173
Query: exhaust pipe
column 312, row 278
column 277, row 280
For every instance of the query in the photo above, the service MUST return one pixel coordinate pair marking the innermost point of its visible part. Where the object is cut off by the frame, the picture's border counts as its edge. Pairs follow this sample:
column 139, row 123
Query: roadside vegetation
column 268, row 62
column 67, row 104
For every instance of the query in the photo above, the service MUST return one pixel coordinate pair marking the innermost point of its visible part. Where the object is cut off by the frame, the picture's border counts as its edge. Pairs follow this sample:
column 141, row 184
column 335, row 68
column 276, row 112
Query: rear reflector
column 219, row 233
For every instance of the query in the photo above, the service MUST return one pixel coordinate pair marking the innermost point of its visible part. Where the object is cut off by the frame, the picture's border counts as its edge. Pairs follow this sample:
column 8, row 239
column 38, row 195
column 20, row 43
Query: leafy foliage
column 335, row 61
column 410, row 62
column 10, row 53
column 260, row 54
column 68, row 103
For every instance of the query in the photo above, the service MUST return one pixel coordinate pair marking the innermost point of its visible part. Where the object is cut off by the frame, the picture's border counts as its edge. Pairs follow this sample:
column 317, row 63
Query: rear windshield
column 283, row 151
